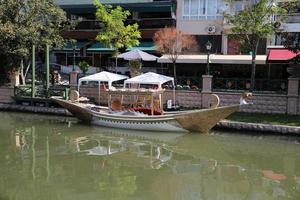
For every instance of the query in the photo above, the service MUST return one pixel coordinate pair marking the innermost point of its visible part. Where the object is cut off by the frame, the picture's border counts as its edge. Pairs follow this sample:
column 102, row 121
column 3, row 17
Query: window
column 202, row 9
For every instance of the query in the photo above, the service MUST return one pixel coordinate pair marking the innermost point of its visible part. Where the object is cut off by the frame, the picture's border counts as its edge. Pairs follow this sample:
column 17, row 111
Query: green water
column 53, row 158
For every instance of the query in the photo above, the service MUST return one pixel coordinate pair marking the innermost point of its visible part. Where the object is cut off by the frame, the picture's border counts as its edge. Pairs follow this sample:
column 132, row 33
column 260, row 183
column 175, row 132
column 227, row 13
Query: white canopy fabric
column 103, row 76
column 153, row 79
column 137, row 54
column 149, row 78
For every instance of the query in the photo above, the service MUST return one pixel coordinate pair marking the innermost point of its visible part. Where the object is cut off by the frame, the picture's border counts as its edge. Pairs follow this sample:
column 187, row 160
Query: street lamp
column 74, row 58
column 208, row 48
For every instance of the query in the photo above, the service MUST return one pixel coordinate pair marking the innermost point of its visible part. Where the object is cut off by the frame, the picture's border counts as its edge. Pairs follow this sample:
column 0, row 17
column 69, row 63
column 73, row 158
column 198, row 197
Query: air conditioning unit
column 211, row 29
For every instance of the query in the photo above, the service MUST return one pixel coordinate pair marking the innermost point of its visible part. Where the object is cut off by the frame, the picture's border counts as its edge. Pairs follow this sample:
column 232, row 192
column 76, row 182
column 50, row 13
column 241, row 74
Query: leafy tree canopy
column 115, row 34
column 260, row 19
column 24, row 23
column 256, row 21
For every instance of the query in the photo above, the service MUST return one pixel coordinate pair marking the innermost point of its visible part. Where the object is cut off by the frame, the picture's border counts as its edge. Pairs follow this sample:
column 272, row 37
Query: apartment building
column 204, row 19
column 151, row 15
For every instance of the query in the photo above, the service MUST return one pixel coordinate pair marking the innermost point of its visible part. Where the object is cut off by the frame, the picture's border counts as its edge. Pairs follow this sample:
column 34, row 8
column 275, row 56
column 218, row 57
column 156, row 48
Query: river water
column 56, row 158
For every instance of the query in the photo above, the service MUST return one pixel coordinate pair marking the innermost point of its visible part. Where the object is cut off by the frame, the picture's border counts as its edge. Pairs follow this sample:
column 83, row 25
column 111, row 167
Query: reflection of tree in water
column 117, row 182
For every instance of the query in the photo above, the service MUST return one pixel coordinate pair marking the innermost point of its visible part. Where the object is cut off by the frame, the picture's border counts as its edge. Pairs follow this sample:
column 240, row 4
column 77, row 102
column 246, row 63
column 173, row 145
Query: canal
column 56, row 158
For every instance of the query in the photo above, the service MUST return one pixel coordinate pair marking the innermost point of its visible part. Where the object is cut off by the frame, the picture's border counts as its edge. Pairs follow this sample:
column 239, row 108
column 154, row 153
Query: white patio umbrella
column 137, row 54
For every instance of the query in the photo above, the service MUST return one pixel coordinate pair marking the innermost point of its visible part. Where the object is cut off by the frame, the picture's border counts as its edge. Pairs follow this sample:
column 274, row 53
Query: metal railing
column 276, row 86
column 291, row 18
column 25, row 91
column 89, row 25
column 152, row 22
column 189, row 83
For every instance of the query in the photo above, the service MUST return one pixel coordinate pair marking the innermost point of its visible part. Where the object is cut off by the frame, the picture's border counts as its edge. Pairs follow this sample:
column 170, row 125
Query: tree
column 255, row 23
column 84, row 66
column 24, row 23
column 115, row 34
column 173, row 42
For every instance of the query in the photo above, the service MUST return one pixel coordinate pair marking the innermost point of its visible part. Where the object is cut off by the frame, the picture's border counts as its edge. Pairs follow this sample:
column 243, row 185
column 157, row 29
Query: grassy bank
column 275, row 119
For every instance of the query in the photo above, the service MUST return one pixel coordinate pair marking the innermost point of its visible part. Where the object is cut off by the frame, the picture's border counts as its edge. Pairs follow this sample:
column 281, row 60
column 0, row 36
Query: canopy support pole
column 78, row 86
column 152, row 106
column 160, row 103
column 99, row 88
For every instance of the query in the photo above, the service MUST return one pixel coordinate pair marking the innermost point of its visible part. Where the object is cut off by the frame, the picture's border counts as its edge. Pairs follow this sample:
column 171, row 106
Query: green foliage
column 255, row 23
column 114, row 33
column 27, row 23
column 274, row 119
column 84, row 66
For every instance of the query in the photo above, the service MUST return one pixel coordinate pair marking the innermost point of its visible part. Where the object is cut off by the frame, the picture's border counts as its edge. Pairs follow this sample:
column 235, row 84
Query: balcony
column 153, row 23
column 88, row 25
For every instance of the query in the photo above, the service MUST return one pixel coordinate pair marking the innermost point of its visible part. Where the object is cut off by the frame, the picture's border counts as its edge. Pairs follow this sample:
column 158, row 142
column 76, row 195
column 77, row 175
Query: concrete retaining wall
column 6, row 95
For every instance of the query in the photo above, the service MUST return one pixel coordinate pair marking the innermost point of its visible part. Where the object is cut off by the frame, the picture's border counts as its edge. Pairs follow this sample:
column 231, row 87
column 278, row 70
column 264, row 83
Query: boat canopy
column 103, row 76
column 149, row 78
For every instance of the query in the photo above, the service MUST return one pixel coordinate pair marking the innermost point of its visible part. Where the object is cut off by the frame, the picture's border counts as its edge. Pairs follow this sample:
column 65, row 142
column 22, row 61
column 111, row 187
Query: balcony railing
column 143, row 23
column 89, row 25
column 261, row 85
column 291, row 18
column 152, row 22
column 294, row 18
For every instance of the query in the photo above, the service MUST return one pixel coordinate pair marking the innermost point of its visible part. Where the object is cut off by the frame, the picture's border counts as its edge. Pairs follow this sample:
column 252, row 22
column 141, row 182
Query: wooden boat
column 183, row 121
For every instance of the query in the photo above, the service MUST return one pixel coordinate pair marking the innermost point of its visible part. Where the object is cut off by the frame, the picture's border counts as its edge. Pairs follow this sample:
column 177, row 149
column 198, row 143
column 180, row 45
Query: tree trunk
column 254, row 52
column 174, row 68
column 253, row 72
column 22, row 74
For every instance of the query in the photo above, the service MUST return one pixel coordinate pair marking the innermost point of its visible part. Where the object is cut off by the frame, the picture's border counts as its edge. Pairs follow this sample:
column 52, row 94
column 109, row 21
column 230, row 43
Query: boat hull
column 189, row 121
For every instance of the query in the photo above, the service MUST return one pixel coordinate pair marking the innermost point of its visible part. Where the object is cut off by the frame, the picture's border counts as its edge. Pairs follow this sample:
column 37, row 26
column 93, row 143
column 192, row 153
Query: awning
column 281, row 55
column 144, row 46
column 215, row 59
column 82, row 6
column 99, row 47
column 69, row 46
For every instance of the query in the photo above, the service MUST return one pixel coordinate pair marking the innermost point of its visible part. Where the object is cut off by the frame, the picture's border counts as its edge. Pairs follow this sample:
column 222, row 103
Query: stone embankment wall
column 6, row 95
column 262, row 103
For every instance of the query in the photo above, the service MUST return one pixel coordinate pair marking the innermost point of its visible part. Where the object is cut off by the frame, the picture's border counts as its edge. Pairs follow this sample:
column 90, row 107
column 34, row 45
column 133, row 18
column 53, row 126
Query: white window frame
column 199, row 15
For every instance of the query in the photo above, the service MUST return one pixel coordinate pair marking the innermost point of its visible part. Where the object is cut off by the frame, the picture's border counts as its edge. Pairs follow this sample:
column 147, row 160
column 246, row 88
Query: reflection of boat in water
column 184, row 121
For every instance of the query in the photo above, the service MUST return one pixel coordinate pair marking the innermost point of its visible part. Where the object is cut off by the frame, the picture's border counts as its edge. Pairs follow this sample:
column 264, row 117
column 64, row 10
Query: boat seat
column 148, row 111
column 116, row 105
